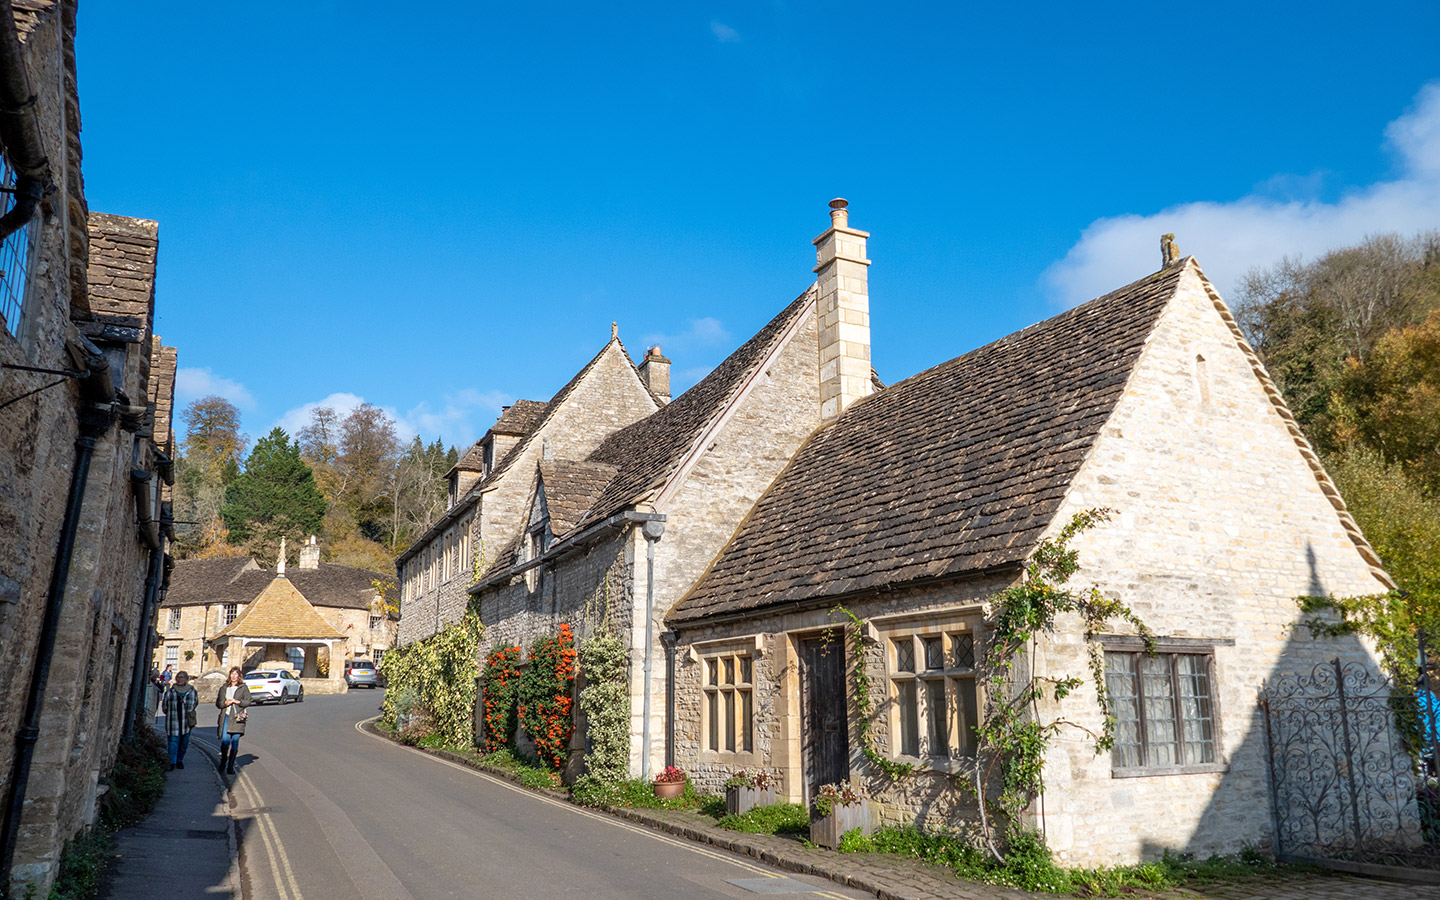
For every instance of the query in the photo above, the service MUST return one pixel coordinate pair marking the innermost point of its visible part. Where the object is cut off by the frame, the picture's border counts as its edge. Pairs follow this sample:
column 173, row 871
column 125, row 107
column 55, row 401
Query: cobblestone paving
column 900, row 878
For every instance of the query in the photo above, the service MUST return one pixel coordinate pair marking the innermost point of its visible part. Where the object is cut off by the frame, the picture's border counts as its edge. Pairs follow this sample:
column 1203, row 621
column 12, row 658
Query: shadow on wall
column 1322, row 772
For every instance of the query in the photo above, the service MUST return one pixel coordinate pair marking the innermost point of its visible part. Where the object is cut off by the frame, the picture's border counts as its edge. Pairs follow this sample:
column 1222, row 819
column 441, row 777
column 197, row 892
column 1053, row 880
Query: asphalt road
column 328, row 812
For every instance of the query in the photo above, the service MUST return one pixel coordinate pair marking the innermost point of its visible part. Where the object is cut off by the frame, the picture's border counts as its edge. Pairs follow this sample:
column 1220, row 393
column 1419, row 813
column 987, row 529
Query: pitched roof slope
column 647, row 452
column 198, row 581
column 280, row 611
column 571, row 487
column 957, row 469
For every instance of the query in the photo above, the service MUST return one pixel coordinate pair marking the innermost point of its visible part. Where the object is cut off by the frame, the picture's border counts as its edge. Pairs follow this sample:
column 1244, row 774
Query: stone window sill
column 1148, row 771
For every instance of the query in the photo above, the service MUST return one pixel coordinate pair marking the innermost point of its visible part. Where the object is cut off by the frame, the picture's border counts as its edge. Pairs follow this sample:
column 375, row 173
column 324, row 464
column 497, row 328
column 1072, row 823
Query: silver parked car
column 361, row 673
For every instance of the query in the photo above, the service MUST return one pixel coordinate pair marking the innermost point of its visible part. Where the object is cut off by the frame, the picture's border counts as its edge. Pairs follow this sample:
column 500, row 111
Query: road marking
column 270, row 854
column 579, row 810
column 275, row 849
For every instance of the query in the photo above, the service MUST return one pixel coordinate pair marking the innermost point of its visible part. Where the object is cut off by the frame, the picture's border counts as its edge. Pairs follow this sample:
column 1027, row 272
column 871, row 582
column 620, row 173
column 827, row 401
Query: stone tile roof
column 571, row 488
column 648, row 452
column 518, row 419
column 952, row 471
column 121, row 272
column 200, row 581
column 280, row 611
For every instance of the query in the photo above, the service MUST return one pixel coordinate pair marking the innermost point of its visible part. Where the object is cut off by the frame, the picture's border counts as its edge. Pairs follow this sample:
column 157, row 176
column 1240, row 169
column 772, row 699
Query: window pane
column 747, row 666
column 1159, row 699
column 747, row 735
column 1195, row 713
column 938, row 715
column 1125, row 700
column 730, row 720
column 712, row 700
column 969, row 714
column 909, row 718
column 712, row 676
column 934, row 652
column 729, row 670
column 963, row 650
column 905, row 655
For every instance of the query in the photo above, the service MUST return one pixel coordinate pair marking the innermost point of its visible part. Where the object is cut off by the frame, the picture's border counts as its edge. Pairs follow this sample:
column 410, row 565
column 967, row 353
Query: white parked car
column 274, row 686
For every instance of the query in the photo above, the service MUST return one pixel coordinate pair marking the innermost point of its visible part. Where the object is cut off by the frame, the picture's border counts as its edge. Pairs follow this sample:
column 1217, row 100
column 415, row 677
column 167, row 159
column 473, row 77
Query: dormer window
column 487, row 451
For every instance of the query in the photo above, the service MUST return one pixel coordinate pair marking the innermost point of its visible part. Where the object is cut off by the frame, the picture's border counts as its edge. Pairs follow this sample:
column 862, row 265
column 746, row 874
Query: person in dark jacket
column 178, row 706
column 231, row 701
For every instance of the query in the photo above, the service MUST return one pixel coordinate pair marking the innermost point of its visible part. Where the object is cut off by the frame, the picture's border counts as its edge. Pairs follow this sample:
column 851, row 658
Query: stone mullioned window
column 934, row 700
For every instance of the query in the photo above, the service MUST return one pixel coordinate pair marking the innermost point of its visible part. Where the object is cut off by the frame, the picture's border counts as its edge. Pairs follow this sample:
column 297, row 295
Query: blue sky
column 441, row 207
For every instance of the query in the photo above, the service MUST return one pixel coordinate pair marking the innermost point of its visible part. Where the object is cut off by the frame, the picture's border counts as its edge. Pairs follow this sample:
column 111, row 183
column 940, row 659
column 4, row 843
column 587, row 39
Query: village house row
column 86, row 391
column 719, row 531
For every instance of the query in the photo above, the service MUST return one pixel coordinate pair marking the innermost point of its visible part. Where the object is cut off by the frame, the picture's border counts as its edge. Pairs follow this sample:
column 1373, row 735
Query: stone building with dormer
column 86, row 390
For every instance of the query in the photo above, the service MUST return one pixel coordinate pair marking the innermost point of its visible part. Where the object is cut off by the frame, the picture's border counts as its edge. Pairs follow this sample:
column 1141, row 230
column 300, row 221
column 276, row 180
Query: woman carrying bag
column 231, row 701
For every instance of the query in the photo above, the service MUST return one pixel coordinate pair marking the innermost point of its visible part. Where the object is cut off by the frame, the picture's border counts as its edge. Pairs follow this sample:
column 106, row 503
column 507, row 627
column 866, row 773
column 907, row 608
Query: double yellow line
column 691, row 846
column 279, row 860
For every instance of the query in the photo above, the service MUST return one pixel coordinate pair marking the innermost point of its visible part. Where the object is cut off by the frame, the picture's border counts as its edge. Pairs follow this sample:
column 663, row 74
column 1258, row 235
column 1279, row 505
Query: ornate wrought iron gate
column 1344, row 790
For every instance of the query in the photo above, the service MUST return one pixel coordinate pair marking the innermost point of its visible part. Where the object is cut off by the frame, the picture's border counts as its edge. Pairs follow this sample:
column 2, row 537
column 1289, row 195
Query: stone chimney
column 1169, row 251
column 843, row 309
column 310, row 554
column 655, row 372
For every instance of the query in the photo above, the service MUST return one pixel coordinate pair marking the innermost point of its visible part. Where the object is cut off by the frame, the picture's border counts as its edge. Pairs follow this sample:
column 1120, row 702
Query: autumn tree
column 208, row 460
column 274, row 497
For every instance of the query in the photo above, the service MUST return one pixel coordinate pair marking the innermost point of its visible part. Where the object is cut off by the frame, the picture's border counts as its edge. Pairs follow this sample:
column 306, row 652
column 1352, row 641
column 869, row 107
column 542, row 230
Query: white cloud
column 460, row 418
column 1233, row 237
column 702, row 332
column 724, row 33
column 194, row 383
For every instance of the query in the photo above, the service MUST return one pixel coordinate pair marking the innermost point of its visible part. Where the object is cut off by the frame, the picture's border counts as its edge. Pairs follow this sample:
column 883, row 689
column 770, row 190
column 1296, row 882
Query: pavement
column 186, row 849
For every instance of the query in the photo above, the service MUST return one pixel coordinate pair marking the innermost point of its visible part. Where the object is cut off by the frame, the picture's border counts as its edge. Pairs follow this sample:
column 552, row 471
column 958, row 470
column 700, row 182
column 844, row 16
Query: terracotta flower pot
column 669, row 790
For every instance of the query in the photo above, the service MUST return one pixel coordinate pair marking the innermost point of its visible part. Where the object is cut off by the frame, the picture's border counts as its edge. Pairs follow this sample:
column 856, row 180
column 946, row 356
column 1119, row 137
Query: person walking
column 231, row 701
column 166, row 675
column 179, row 706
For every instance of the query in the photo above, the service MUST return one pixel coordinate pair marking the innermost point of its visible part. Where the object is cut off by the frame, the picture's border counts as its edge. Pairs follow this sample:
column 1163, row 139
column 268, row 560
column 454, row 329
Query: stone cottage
column 491, row 486
column 86, row 389
column 613, row 537
column 919, row 503
column 308, row 618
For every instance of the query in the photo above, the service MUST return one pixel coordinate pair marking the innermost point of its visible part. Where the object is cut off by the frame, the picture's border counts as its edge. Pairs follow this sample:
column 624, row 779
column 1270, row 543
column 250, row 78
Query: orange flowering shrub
column 545, row 702
column 501, row 682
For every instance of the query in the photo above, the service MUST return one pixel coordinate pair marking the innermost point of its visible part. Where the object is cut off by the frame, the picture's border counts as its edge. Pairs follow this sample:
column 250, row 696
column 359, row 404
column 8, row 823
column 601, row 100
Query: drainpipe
column 652, row 531
column 668, row 639
column 96, row 415
column 20, row 129
column 138, row 681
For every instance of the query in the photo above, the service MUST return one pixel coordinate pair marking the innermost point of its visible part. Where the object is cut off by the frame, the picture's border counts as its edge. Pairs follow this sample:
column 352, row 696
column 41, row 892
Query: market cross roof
column 281, row 612
column 954, row 470
column 240, row 580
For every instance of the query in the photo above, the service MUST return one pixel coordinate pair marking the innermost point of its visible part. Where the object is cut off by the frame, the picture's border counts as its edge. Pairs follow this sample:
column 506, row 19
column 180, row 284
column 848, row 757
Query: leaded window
column 729, row 691
column 230, row 611
column 1164, row 709
column 174, row 623
column 932, row 682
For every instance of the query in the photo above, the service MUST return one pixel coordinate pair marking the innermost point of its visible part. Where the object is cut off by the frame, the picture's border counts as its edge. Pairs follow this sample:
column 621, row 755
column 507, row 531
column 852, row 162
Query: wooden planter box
column 825, row 831
column 740, row 799
column 669, row 790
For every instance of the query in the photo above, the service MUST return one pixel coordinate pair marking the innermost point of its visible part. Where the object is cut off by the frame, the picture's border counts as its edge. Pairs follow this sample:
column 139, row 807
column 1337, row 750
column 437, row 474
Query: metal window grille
column 14, row 256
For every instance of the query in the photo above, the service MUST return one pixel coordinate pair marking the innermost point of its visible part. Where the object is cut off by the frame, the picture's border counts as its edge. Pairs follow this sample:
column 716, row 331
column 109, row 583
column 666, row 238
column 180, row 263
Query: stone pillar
column 843, row 310
column 312, row 662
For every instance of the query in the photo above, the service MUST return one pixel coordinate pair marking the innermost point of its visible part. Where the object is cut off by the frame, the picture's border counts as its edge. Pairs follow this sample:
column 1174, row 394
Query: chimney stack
column 1169, row 251
column 843, row 310
column 310, row 554
column 655, row 372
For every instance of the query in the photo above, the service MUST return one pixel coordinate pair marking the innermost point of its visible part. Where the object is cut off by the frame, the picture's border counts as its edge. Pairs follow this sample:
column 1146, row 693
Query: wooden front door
column 825, row 738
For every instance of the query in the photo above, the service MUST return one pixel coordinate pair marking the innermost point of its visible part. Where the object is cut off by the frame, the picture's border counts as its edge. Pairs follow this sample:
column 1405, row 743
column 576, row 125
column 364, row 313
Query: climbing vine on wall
column 544, row 697
column 499, row 683
column 1013, row 737
column 438, row 673
column 864, row 698
column 605, row 700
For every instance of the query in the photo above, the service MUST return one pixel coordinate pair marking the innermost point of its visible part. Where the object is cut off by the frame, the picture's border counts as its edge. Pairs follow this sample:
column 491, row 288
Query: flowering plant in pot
column 836, row 809
column 670, row 782
column 746, row 789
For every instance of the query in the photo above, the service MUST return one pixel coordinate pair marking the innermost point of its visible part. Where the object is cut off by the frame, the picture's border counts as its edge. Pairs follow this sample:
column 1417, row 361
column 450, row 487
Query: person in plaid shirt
column 179, row 708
